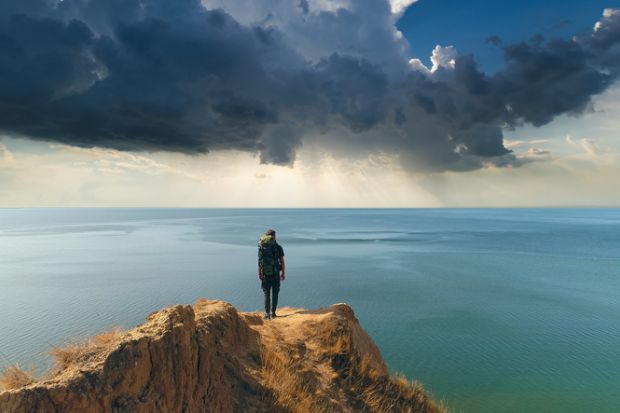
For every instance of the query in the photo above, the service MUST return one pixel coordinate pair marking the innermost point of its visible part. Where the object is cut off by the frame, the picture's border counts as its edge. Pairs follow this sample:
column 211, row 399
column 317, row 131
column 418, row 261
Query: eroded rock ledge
column 211, row 358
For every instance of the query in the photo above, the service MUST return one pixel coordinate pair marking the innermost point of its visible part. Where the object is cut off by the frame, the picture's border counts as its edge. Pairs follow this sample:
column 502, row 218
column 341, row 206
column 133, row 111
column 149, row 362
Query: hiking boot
column 273, row 315
column 266, row 316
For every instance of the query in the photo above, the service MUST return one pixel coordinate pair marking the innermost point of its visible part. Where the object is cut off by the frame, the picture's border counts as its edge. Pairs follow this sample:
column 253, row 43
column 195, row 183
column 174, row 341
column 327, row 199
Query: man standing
column 271, row 269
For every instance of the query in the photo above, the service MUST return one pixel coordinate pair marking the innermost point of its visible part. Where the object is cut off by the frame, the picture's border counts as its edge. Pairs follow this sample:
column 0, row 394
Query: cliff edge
column 211, row 358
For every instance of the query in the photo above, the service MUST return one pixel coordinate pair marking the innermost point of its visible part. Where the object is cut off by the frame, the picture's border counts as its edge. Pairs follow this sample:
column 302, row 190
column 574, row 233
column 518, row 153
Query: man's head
column 271, row 232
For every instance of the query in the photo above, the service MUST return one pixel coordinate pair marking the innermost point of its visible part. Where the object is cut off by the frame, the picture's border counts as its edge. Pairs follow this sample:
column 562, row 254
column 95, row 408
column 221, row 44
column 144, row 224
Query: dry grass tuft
column 382, row 393
column 14, row 377
column 341, row 380
column 83, row 351
column 374, row 391
column 295, row 388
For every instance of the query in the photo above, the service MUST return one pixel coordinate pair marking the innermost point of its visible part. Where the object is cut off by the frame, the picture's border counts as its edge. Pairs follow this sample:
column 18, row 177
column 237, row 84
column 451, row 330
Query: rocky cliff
column 211, row 358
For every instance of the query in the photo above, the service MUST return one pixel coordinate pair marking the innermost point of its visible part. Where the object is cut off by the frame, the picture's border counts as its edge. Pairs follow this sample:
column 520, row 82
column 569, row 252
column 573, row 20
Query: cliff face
column 211, row 358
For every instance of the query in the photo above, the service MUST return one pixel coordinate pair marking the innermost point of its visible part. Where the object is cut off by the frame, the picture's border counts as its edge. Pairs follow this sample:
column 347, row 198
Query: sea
column 492, row 310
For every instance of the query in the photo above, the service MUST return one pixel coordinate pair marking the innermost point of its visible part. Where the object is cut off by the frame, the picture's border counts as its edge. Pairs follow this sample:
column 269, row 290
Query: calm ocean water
column 494, row 310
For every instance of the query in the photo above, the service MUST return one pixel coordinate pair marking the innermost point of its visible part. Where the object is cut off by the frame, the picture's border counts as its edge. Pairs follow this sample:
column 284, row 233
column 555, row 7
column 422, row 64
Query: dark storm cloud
column 160, row 75
column 304, row 6
column 179, row 78
column 543, row 81
column 540, row 81
column 280, row 145
column 354, row 89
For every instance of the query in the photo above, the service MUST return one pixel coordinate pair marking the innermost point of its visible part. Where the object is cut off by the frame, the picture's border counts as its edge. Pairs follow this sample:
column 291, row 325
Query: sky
column 309, row 103
column 469, row 25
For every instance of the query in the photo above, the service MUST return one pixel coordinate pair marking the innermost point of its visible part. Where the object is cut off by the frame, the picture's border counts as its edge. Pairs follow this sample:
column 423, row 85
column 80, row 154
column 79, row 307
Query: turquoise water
column 493, row 310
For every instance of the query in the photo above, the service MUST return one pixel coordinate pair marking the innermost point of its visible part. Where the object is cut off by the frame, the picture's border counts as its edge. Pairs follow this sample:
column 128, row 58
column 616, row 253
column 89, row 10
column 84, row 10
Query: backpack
column 268, row 259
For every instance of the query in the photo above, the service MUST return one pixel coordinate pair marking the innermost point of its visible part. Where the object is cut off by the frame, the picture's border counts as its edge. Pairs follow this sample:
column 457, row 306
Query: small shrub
column 75, row 353
column 14, row 377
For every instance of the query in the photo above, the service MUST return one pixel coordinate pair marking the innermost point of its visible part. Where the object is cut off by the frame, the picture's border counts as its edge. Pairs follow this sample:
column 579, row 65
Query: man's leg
column 266, row 288
column 274, row 302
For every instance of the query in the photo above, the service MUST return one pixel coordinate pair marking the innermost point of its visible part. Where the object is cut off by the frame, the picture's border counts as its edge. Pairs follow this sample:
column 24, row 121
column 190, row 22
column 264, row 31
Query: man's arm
column 283, row 264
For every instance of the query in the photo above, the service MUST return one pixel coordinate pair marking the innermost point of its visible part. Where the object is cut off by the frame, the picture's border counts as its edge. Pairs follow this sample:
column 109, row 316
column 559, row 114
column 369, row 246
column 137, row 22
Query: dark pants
column 271, row 286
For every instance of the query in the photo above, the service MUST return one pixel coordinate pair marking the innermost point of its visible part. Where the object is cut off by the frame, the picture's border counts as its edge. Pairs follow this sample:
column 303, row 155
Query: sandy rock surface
column 211, row 358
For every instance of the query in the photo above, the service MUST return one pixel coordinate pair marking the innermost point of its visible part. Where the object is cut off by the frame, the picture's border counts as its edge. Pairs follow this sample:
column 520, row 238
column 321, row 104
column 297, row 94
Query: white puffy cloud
column 590, row 147
column 399, row 6
column 607, row 14
column 513, row 144
column 534, row 155
column 443, row 57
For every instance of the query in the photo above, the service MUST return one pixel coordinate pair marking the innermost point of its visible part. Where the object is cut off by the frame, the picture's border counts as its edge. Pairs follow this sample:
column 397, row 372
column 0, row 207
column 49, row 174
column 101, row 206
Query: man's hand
column 261, row 276
column 282, row 276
